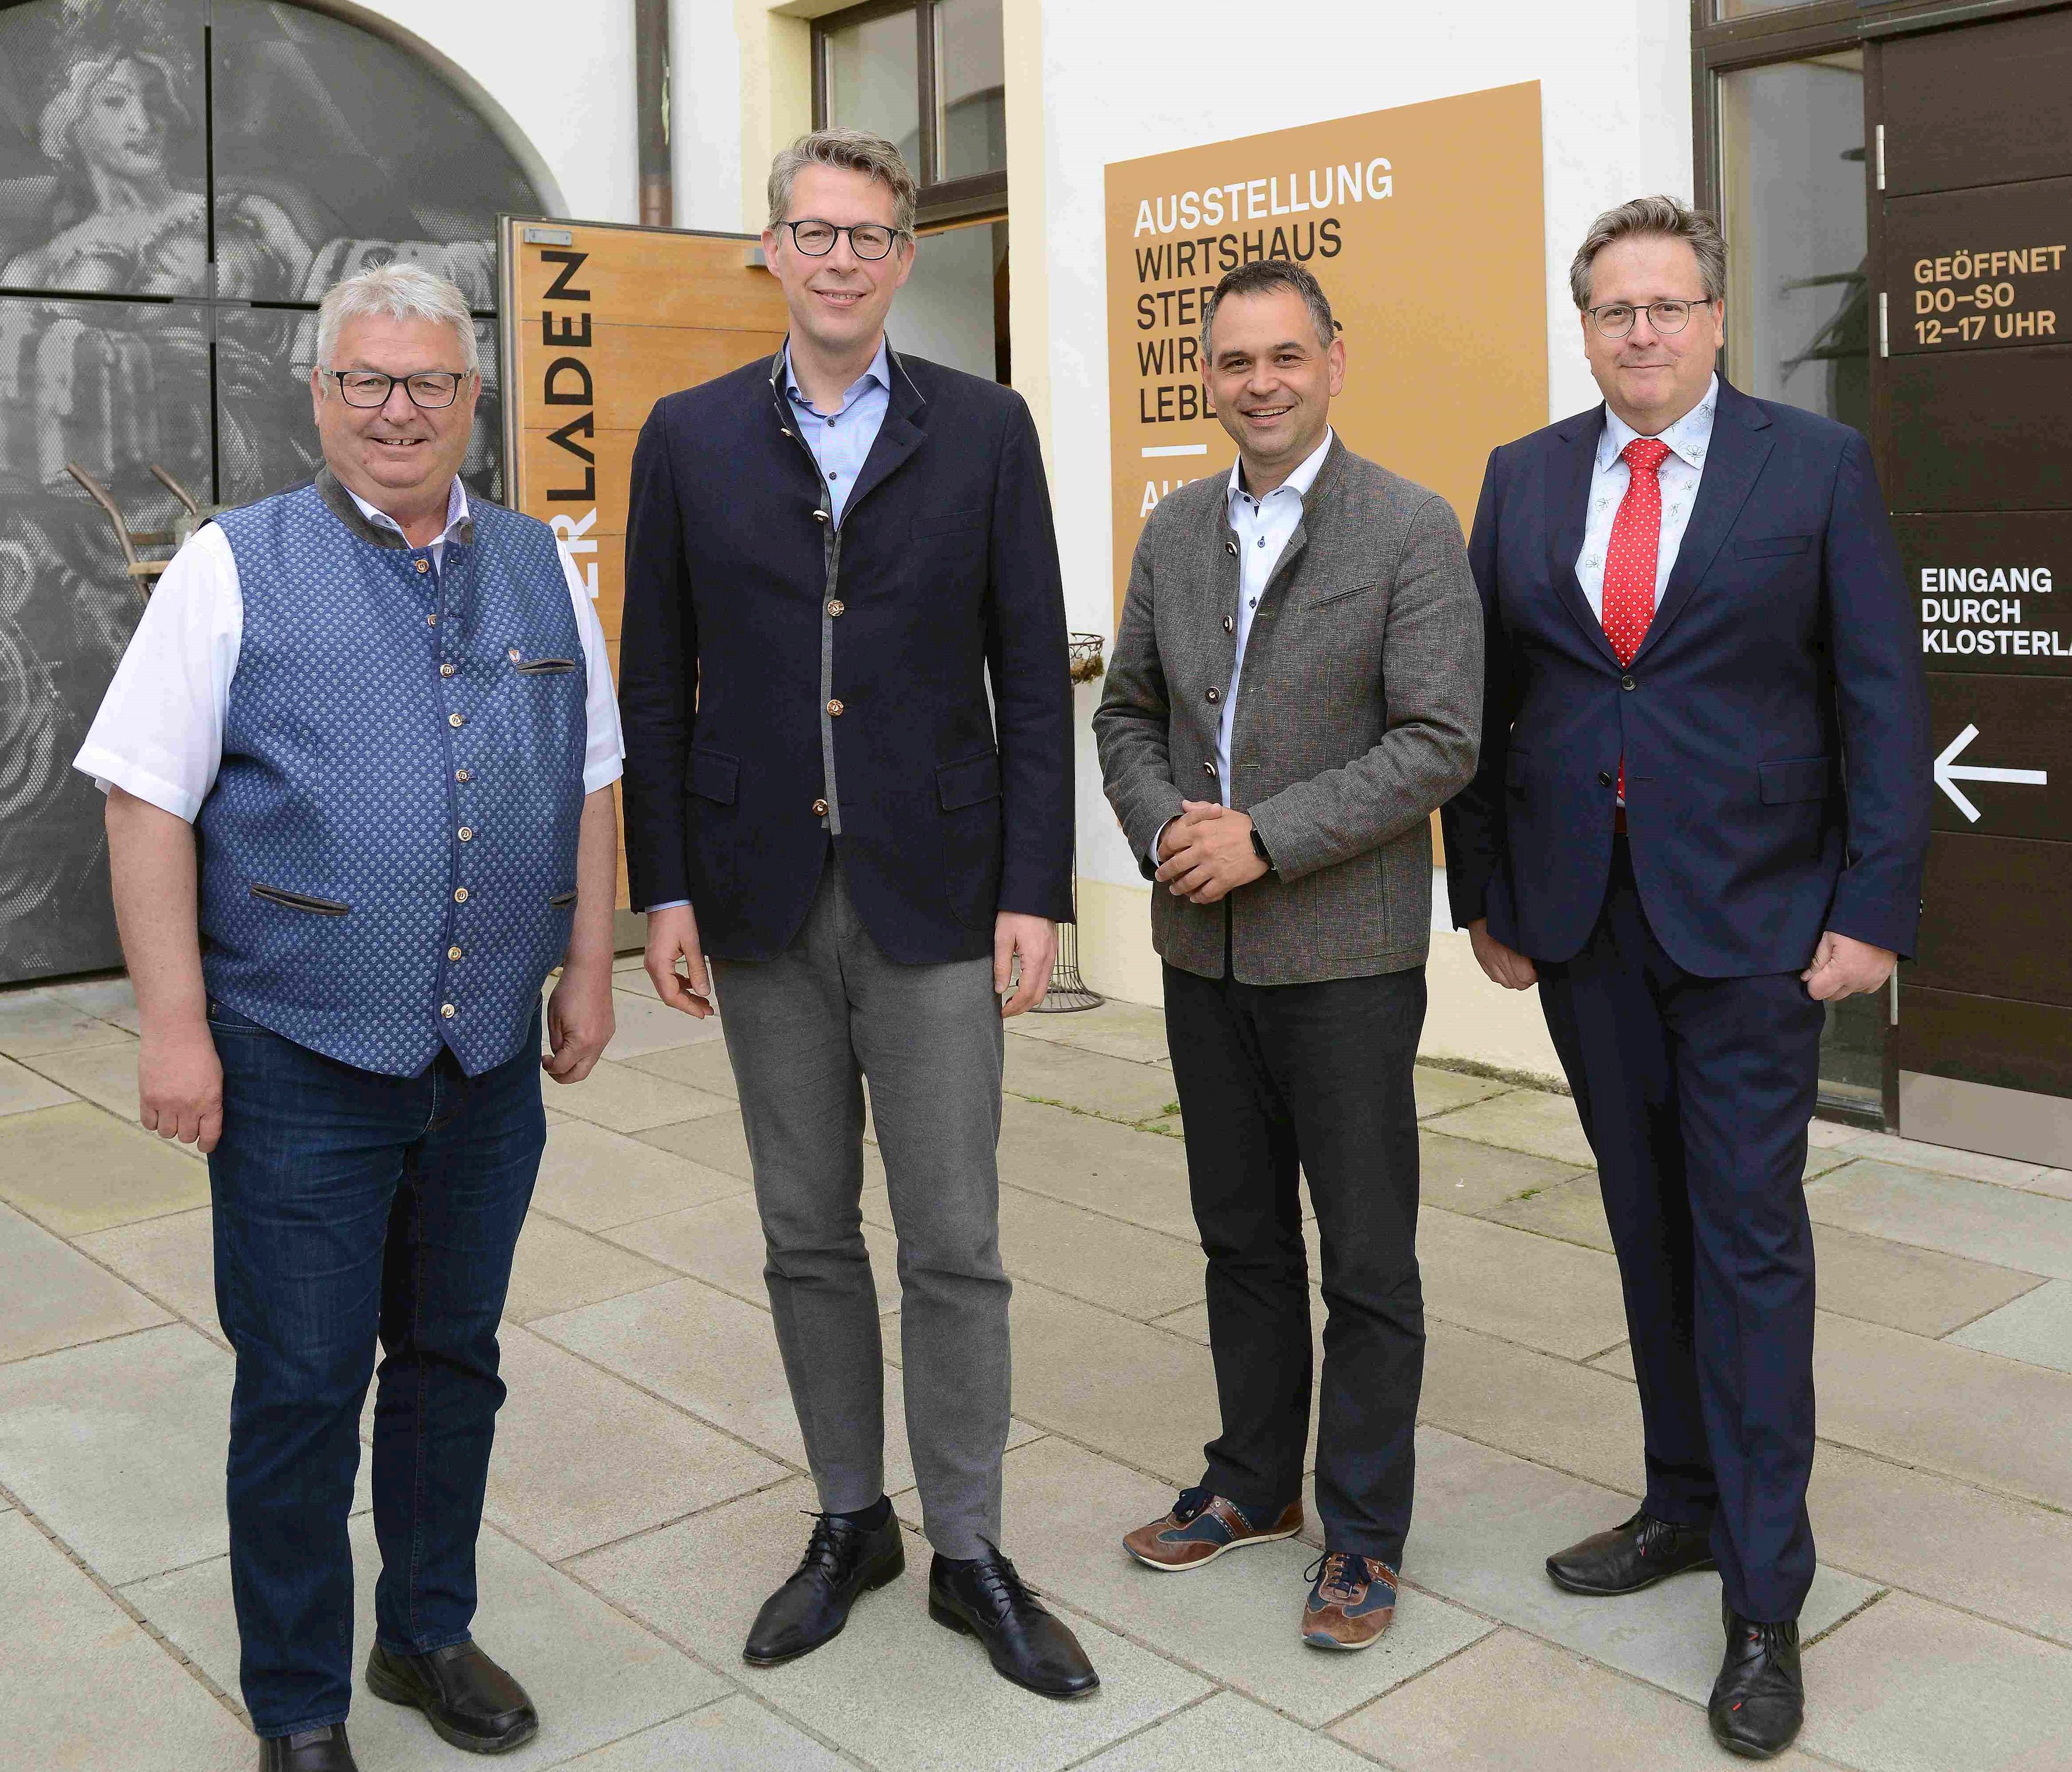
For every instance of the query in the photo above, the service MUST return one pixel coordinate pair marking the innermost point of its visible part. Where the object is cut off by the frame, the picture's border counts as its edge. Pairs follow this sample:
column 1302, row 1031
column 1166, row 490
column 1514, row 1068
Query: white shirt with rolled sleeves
column 159, row 733
column 1263, row 527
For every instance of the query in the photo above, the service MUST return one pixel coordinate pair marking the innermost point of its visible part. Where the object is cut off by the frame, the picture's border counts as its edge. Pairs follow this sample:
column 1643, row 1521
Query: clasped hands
column 1206, row 854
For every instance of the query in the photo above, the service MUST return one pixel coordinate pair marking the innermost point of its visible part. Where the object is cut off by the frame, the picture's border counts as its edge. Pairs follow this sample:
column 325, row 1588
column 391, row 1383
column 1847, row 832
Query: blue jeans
column 349, row 1206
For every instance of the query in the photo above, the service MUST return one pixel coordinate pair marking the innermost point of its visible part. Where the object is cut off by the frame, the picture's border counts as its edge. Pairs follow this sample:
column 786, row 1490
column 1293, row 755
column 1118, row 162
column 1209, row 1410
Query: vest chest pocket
column 301, row 901
column 542, row 667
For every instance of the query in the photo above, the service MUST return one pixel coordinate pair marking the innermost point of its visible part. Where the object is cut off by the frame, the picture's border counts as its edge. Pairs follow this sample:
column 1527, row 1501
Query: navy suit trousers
column 1695, row 1093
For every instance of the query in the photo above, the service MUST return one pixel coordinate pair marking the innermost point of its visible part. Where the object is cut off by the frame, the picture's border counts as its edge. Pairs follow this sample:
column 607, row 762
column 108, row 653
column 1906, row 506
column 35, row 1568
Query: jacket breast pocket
column 1759, row 547
column 1330, row 594
column 962, row 524
column 969, row 792
column 1795, row 779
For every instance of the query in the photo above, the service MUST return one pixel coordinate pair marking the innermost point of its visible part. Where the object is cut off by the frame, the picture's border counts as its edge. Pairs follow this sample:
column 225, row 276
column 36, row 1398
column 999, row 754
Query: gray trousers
column 804, row 1031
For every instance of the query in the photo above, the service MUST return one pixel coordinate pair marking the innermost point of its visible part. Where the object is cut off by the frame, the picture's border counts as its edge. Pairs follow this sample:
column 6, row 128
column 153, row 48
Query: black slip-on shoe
column 842, row 1561
column 1026, row 1642
column 470, row 1701
column 1759, row 1700
column 1631, row 1556
column 323, row 1750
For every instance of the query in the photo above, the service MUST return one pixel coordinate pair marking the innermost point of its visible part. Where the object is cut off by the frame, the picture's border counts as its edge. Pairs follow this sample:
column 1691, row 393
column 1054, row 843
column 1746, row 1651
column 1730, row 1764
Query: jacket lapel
column 898, row 438
column 1569, row 465
column 1740, row 445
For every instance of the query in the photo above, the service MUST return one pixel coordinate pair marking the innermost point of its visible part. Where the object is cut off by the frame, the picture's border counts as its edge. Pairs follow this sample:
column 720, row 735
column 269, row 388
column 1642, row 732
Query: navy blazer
column 951, row 809
column 1774, row 724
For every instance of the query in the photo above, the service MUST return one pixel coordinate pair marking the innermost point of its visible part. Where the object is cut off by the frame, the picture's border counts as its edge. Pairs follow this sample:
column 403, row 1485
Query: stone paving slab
column 1119, row 1030
column 1235, row 1620
column 83, row 1688
column 704, row 1067
column 595, row 1675
column 109, row 999
column 548, row 1483
column 2010, row 1560
column 722, row 1244
column 716, row 1141
column 1523, row 1119
column 1978, row 1219
column 118, row 1448
column 1224, row 1732
column 894, row 1689
column 643, row 1024
column 36, row 1021
column 1485, row 1525
column 1913, row 1685
column 558, row 1268
column 735, row 1735
column 105, row 1075
column 595, row 1180
column 1513, row 1702
column 56, row 1298
column 1546, row 1294
column 2036, row 1328
column 1909, row 1153
column 23, row 1091
column 1094, row 1083
column 1108, row 1169
column 626, row 1100
column 75, row 1170
column 173, row 1259
column 1461, row 1175
column 1441, row 1091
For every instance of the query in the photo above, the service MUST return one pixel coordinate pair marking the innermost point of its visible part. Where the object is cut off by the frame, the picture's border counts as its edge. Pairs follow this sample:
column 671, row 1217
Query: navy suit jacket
column 1773, row 722
column 951, row 809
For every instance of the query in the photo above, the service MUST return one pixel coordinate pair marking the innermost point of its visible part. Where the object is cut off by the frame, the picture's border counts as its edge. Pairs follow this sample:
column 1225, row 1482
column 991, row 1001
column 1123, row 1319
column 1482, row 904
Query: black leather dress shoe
column 1759, row 1700
column 1629, row 1557
column 1026, row 1642
column 842, row 1560
column 322, row 1749
column 468, row 1699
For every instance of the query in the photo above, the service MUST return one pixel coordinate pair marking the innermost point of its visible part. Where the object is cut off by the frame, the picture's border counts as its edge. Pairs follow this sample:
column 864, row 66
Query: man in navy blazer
column 1699, row 815
column 849, row 789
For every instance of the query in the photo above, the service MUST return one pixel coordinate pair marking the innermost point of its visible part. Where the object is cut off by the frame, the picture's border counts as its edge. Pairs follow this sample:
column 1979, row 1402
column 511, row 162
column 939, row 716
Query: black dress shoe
column 468, row 1699
column 1629, row 1557
column 1759, row 1700
column 1026, row 1642
column 841, row 1561
column 312, row 1750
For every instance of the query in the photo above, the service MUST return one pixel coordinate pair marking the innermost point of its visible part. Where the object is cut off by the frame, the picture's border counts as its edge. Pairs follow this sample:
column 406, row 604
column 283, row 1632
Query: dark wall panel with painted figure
column 124, row 346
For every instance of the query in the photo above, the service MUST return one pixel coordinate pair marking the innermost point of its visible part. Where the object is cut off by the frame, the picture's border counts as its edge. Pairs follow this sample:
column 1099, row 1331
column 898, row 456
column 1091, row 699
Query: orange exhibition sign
column 1425, row 227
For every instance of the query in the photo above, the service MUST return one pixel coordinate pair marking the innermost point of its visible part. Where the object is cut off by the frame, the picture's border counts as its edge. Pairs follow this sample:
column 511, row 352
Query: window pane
column 971, row 80
column 874, row 82
column 102, row 164
column 1798, row 327
column 953, row 308
column 1747, row 8
column 336, row 151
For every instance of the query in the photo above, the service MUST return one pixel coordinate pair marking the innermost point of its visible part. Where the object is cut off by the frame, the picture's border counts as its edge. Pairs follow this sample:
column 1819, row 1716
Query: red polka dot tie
column 1630, row 562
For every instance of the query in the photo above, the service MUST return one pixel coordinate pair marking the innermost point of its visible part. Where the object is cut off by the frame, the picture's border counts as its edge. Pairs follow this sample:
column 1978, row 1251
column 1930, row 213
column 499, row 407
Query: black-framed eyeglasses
column 866, row 239
column 432, row 388
column 1615, row 319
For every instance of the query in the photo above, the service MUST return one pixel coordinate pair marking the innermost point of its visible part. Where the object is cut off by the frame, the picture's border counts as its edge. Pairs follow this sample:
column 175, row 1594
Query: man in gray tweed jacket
column 1295, row 686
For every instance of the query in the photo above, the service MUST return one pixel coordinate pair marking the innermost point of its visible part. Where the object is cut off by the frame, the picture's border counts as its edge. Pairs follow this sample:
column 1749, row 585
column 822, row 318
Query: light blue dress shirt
column 841, row 440
column 1689, row 439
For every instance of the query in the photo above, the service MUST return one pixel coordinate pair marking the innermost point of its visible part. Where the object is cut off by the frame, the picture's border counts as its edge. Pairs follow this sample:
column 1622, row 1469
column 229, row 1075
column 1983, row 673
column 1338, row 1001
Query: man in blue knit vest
column 358, row 761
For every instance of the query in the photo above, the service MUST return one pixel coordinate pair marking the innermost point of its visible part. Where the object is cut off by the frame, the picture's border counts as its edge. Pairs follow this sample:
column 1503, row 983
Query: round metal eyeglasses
column 1615, row 319
column 866, row 239
column 432, row 389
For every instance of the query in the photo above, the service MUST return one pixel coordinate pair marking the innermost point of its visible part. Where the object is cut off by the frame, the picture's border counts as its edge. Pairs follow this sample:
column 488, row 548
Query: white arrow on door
column 1948, row 773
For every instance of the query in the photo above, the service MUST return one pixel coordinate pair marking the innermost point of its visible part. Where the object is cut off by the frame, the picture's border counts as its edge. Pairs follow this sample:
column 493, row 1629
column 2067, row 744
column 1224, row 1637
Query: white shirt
column 1689, row 439
column 1262, row 527
column 160, row 732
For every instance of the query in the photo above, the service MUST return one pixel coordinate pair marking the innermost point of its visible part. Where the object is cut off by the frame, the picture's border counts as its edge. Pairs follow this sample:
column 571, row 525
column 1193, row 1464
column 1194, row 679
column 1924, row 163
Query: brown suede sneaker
column 1200, row 1528
column 1352, row 1603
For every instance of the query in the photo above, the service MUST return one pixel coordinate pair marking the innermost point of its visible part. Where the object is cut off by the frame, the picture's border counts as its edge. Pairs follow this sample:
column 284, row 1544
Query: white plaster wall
column 704, row 119
column 1124, row 78
column 564, row 75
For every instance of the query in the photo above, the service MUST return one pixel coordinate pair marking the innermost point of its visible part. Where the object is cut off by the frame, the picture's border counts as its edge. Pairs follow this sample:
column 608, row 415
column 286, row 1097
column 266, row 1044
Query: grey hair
column 850, row 150
column 1666, row 218
column 1256, row 279
column 395, row 292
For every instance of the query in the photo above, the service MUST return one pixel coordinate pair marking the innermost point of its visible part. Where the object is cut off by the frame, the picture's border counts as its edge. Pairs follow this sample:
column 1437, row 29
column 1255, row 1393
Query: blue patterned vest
column 389, row 855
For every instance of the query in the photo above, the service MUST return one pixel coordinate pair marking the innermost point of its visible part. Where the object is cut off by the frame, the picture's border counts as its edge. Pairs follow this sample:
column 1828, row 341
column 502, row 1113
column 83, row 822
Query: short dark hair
column 1256, row 279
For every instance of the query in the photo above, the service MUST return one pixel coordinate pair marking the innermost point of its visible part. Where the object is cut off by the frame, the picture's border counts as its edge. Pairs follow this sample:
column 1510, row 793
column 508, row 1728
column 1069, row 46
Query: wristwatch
column 1259, row 849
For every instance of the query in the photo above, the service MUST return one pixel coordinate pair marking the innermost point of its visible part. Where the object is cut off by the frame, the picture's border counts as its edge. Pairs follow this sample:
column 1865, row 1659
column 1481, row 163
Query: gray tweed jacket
column 1360, row 712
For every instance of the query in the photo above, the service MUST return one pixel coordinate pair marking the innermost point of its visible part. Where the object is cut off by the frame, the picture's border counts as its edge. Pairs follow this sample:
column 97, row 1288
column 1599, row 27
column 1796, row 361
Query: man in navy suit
column 1700, row 814
column 849, row 789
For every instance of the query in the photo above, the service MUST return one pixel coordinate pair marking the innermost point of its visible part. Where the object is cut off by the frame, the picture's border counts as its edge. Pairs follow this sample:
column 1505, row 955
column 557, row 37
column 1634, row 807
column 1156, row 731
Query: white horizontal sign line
column 1176, row 449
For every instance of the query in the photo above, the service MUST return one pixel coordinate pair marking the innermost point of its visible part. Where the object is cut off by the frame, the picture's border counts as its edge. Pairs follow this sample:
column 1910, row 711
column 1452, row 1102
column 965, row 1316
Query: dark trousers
column 1275, row 1080
column 1695, row 1093
column 351, row 1206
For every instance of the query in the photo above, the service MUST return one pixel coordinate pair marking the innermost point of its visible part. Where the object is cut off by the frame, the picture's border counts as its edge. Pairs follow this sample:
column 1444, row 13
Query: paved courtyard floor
column 648, row 1484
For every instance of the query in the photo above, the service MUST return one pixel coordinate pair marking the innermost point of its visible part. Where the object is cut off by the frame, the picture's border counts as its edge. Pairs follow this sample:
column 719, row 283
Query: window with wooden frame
column 931, row 77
